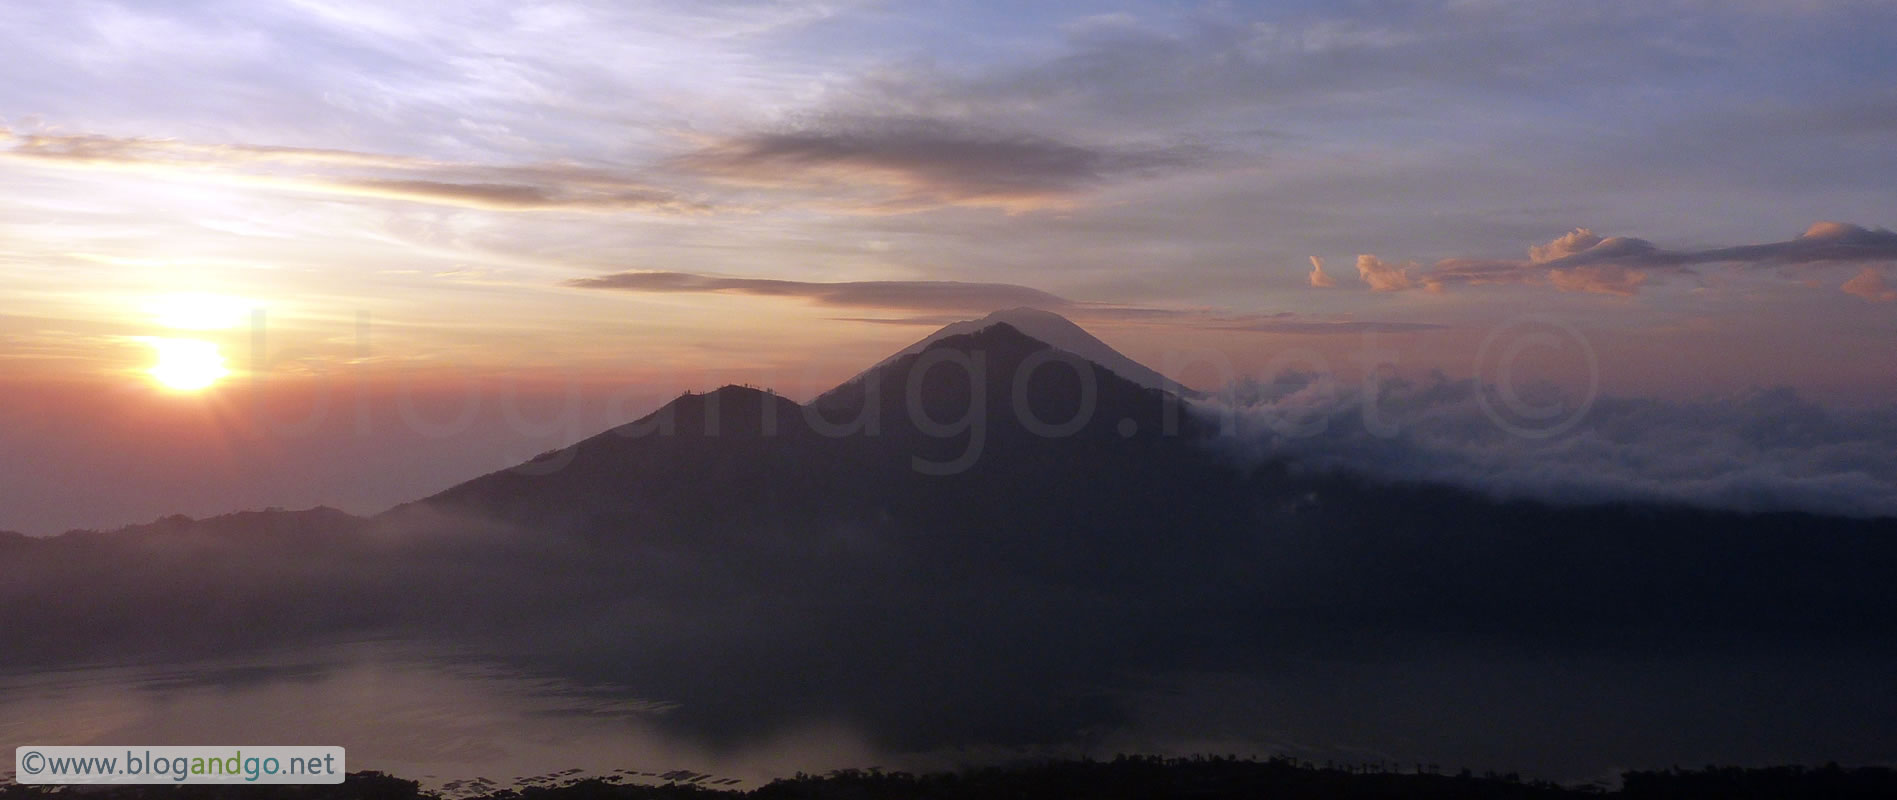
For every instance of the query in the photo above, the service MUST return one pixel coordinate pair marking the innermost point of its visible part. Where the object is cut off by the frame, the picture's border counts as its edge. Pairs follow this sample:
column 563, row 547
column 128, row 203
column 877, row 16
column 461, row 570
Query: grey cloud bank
column 1765, row 450
column 929, row 162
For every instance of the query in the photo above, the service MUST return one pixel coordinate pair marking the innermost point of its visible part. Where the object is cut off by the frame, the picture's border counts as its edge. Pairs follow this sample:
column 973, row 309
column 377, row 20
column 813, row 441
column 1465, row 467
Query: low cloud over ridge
column 1765, row 450
column 944, row 301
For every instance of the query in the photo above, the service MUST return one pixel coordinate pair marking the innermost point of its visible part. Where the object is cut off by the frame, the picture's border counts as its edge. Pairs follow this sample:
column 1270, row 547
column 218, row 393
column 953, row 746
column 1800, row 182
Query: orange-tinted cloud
column 1471, row 271
column 1319, row 278
column 1611, row 279
column 1584, row 261
column 1382, row 276
column 1870, row 285
column 1567, row 244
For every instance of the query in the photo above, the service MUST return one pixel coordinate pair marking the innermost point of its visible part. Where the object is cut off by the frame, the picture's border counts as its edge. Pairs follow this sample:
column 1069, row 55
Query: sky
column 372, row 248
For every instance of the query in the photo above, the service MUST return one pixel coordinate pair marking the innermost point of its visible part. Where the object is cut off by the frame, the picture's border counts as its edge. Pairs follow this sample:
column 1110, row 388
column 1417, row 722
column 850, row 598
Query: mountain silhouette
column 972, row 419
column 993, row 456
column 975, row 543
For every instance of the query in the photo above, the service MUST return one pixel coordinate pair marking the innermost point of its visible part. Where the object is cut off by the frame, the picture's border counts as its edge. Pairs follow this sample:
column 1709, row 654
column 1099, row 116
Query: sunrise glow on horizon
column 337, row 205
column 620, row 399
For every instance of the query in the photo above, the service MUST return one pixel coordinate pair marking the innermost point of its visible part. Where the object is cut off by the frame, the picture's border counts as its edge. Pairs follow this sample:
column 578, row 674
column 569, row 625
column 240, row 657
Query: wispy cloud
column 98, row 149
column 512, row 196
column 896, row 295
column 352, row 173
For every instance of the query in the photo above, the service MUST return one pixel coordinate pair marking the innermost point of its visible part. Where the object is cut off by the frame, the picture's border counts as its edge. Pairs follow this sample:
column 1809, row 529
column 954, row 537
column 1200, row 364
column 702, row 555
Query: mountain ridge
column 843, row 444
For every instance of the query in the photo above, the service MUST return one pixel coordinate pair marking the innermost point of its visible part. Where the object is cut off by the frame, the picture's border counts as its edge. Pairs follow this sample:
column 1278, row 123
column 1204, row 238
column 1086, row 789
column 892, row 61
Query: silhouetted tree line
column 1128, row 777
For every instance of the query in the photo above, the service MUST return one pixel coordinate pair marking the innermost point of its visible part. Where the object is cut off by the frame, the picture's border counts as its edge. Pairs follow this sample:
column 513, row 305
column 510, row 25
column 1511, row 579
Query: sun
column 186, row 365
column 190, row 365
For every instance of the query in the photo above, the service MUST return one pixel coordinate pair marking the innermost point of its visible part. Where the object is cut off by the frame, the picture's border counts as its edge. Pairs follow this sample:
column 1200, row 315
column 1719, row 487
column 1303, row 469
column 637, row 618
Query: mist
column 1756, row 451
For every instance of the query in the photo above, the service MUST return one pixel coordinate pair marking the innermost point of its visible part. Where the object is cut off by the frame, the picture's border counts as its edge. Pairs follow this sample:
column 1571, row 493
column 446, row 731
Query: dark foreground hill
column 1124, row 778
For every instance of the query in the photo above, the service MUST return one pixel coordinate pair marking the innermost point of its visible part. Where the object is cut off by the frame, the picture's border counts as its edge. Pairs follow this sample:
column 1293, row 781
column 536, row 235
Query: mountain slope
column 726, row 459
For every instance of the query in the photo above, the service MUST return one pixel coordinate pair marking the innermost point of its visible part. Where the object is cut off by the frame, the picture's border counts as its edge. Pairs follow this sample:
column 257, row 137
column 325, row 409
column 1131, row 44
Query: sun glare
column 186, row 365
column 197, row 311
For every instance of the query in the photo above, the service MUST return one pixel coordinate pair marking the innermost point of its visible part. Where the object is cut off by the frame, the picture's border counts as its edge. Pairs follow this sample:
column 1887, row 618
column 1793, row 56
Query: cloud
column 1471, row 271
column 1870, row 285
column 1384, row 277
column 911, row 164
column 1602, row 279
column 1584, row 261
column 1821, row 243
column 901, row 295
column 97, row 149
column 1319, row 279
column 357, row 174
column 1763, row 450
column 1567, row 244
column 512, row 196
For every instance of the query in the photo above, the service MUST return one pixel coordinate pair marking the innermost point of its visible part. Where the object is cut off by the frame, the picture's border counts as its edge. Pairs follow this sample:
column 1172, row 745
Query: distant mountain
column 740, row 457
column 314, row 522
column 1055, row 330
